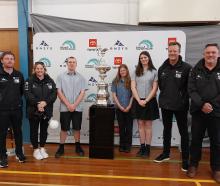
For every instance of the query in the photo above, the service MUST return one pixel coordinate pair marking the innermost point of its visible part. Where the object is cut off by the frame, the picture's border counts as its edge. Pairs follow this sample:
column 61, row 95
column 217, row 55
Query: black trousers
column 201, row 122
column 125, row 122
column 35, row 123
column 181, row 118
column 12, row 118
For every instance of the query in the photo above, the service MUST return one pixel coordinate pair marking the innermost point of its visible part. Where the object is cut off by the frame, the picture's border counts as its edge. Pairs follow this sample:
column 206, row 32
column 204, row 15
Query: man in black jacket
column 173, row 100
column 11, row 91
column 204, row 90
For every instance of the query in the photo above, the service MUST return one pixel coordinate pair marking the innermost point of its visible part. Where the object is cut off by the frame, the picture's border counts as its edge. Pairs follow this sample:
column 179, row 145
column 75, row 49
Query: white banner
column 123, row 47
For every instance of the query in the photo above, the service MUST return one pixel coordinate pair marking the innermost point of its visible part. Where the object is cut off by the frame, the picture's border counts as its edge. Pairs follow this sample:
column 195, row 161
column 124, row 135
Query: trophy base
column 103, row 103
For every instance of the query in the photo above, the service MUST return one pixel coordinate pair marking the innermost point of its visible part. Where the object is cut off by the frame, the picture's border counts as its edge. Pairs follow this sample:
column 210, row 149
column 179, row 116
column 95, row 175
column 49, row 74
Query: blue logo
column 118, row 46
column 92, row 81
column 91, row 98
column 68, row 45
column 46, row 61
column 92, row 63
column 145, row 45
column 43, row 46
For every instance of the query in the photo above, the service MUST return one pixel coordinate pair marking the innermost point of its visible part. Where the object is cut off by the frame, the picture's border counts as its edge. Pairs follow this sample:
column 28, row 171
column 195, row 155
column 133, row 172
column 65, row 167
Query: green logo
column 92, row 62
column 91, row 98
column 46, row 61
column 145, row 45
column 68, row 45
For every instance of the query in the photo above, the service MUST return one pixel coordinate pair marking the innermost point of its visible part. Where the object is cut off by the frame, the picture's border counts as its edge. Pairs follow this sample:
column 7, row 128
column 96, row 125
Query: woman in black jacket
column 40, row 93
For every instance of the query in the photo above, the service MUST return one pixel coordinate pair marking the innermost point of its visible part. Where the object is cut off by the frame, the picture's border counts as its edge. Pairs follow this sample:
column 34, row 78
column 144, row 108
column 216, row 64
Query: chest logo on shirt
column 49, row 85
column 178, row 74
column 198, row 77
column 218, row 75
column 163, row 74
column 16, row 80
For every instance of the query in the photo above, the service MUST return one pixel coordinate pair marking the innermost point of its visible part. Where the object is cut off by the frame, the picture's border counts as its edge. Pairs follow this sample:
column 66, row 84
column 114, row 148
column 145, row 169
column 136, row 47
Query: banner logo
column 43, row 46
column 92, row 81
column 117, row 60
column 118, row 46
column 145, row 45
column 93, row 44
column 171, row 39
column 46, row 61
column 91, row 98
column 68, row 45
column 92, row 63
column 64, row 64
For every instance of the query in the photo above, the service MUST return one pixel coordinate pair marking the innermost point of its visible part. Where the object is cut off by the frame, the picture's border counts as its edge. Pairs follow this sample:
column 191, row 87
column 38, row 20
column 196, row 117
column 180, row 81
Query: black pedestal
column 101, row 132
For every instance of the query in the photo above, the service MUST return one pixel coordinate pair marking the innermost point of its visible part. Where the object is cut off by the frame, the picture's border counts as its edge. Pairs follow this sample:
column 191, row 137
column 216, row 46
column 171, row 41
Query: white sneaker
column 43, row 152
column 37, row 154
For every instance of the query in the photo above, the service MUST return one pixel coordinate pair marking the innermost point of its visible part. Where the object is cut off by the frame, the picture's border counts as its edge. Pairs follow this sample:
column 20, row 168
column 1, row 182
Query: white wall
column 179, row 10
column 116, row 11
column 8, row 14
column 111, row 11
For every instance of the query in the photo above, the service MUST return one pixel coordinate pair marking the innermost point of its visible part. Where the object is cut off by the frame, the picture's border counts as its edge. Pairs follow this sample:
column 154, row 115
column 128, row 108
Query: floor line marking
column 34, row 184
column 198, row 184
column 106, row 176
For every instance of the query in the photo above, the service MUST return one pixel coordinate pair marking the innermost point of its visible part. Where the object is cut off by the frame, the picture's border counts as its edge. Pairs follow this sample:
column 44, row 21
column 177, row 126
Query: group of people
column 135, row 97
column 178, row 82
column 40, row 92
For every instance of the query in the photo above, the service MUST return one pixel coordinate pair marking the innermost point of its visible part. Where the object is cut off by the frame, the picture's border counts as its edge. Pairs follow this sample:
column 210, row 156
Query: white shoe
column 43, row 152
column 37, row 154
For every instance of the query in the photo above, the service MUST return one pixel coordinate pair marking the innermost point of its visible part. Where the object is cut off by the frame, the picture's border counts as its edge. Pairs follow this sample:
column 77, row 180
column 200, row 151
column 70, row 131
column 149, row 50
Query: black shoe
column 191, row 172
column 59, row 152
column 147, row 153
column 127, row 149
column 216, row 176
column 79, row 151
column 162, row 157
column 3, row 162
column 20, row 157
column 185, row 165
column 141, row 152
column 121, row 149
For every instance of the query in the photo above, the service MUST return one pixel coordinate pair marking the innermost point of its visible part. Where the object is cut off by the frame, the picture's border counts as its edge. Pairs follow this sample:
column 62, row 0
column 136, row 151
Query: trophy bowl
column 102, row 97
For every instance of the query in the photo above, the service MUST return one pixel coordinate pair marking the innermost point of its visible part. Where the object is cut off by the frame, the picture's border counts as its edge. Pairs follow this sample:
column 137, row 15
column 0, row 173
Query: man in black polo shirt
column 11, row 91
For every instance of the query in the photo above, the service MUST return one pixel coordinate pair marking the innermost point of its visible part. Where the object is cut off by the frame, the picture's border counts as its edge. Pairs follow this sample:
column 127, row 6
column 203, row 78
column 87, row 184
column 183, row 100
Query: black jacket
column 172, row 81
column 11, row 90
column 37, row 90
column 204, row 86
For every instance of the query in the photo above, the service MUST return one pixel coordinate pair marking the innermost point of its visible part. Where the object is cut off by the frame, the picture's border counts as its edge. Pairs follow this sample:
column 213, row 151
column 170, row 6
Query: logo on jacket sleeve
column 26, row 86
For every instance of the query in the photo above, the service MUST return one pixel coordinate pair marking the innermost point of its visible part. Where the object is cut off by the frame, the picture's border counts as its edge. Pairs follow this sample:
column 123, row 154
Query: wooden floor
column 125, row 169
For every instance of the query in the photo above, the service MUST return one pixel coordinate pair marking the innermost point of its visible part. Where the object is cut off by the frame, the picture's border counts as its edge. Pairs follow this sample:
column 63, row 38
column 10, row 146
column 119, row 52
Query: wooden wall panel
column 9, row 42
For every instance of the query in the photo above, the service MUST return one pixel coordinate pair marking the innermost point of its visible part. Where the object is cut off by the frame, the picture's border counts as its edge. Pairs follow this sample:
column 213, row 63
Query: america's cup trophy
column 102, row 97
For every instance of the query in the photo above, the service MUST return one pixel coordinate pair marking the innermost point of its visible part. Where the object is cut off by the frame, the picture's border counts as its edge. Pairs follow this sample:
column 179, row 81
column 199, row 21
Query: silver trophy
column 102, row 97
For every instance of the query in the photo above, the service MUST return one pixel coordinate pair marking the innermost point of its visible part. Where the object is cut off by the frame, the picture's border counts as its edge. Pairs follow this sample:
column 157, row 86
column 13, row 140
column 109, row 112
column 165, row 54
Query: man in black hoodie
column 204, row 90
column 174, row 101
column 11, row 91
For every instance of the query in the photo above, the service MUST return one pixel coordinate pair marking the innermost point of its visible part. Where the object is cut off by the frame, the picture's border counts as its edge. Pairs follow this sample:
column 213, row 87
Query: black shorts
column 67, row 117
column 149, row 112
